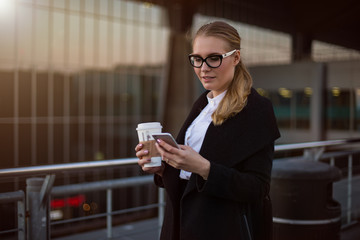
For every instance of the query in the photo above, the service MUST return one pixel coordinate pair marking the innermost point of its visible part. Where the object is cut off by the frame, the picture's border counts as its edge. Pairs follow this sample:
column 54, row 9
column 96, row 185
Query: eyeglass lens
column 211, row 61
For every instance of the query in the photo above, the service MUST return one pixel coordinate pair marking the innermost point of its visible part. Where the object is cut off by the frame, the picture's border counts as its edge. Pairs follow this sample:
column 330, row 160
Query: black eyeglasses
column 213, row 61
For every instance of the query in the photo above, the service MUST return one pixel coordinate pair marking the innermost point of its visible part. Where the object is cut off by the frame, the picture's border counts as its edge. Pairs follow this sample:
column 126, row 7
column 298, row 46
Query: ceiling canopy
column 334, row 22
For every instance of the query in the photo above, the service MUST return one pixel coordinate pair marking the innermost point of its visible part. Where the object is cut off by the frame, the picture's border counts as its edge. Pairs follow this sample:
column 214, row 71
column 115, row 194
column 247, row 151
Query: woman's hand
column 184, row 158
column 142, row 154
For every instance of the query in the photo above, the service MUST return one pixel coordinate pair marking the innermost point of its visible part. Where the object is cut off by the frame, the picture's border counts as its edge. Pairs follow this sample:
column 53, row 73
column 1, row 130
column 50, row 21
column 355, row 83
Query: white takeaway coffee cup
column 144, row 131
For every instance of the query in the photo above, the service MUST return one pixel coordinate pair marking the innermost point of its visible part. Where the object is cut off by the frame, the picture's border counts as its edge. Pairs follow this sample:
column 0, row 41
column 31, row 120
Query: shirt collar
column 215, row 100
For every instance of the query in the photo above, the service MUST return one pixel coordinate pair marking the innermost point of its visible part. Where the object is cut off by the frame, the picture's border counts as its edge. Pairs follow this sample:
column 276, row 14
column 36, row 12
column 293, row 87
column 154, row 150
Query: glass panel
column 338, row 109
column 291, row 107
column 302, row 112
column 282, row 108
column 6, row 94
column 357, row 110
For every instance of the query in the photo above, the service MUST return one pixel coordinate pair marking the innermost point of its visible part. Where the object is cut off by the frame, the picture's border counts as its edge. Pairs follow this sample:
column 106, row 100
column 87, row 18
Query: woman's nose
column 205, row 67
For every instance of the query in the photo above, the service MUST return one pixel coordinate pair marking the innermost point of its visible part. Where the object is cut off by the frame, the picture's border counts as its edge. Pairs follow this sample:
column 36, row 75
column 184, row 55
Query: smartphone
column 166, row 137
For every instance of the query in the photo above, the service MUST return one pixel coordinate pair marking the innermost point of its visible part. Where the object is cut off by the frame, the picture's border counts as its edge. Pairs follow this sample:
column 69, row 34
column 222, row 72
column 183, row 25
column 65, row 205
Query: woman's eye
column 214, row 58
column 197, row 59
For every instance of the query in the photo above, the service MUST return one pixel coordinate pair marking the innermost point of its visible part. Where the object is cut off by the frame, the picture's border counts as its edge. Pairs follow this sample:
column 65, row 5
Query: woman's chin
column 207, row 86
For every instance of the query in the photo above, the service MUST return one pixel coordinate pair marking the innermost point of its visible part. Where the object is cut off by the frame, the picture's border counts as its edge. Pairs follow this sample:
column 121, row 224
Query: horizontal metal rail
column 328, row 143
column 101, row 185
column 100, row 215
column 53, row 168
column 12, row 196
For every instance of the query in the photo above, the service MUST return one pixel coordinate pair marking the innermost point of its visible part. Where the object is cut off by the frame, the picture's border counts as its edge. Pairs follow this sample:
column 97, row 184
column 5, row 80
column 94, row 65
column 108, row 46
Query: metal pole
column 21, row 217
column 38, row 215
column 161, row 195
column 350, row 160
column 109, row 210
column 332, row 161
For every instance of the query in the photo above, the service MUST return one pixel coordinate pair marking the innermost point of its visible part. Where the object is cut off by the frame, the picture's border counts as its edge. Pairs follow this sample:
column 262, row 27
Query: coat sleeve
column 158, row 181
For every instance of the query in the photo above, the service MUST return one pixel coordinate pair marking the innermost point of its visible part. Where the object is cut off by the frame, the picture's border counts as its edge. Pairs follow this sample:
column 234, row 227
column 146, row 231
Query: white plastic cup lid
column 149, row 125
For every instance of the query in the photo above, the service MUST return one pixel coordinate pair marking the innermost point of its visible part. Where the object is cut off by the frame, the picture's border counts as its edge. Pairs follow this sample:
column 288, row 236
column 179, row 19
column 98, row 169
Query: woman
column 217, row 183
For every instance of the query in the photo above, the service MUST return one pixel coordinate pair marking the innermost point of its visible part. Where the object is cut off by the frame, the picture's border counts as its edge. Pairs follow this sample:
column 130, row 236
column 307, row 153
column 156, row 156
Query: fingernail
column 140, row 145
column 158, row 140
column 146, row 151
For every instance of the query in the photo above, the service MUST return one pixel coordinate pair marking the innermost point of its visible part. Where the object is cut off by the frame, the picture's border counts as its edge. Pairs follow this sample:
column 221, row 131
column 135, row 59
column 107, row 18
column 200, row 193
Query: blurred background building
column 76, row 76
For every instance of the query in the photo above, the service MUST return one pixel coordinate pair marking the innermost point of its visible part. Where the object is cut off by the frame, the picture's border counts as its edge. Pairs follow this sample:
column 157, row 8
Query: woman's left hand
column 184, row 158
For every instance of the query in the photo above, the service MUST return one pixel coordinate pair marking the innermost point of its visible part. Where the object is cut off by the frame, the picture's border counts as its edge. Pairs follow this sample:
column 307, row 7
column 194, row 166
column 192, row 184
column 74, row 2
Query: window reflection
column 338, row 109
column 357, row 110
column 291, row 106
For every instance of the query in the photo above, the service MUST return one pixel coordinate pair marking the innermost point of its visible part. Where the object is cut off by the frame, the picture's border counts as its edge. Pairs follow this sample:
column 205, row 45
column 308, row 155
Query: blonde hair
column 239, row 89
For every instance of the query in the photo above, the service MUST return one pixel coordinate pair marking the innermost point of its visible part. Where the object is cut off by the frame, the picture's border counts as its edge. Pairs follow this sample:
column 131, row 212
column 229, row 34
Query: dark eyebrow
column 194, row 55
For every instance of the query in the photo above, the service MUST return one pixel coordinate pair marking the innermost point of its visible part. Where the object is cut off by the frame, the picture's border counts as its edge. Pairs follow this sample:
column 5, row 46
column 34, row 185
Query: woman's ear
column 237, row 57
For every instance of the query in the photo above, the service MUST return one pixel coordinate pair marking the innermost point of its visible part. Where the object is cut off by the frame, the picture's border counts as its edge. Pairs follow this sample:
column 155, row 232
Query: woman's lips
column 207, row 78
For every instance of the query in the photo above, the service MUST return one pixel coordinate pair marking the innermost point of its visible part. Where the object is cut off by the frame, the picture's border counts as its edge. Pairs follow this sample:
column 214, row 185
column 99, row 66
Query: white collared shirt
column 195, row 133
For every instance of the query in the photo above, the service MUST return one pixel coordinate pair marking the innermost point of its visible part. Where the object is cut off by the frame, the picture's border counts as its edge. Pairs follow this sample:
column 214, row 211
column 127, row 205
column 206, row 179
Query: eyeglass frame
column 222, row 56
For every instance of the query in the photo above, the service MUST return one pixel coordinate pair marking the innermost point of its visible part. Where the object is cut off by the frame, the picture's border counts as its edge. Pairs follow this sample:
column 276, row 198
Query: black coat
column 233, row 203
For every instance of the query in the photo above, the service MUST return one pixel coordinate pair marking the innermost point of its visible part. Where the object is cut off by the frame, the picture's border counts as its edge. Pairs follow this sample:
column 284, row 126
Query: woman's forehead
column 209, row 45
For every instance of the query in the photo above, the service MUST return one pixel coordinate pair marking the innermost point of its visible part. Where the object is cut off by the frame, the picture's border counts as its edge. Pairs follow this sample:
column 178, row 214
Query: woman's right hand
column 142, row 154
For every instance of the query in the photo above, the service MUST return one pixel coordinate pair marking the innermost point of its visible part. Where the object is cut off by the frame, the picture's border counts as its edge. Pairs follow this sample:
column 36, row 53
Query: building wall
column 312, row 101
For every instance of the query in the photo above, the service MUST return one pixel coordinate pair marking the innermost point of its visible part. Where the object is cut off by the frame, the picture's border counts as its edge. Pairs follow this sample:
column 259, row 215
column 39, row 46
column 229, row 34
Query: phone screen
column 166, row 137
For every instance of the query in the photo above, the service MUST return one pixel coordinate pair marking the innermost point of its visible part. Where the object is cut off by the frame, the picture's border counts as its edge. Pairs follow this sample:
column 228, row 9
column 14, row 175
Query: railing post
column 21, row 217
column 38, row 224
column 332, row 161
column 19, row 198
column 161, row 207
column 349, row 195
column 108, row 211
column 313, row 154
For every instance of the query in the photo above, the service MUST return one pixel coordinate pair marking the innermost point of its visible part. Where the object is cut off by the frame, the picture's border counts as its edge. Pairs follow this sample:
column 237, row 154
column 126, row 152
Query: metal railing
column 43, row 187
column 109, row 185
column 39, row 191
column 19, row 198
column 315, row 151
column 349, row 156
column 54, row 168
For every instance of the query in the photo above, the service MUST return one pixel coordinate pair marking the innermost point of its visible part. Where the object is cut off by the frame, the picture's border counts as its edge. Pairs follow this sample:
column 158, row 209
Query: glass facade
column 76, row 78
